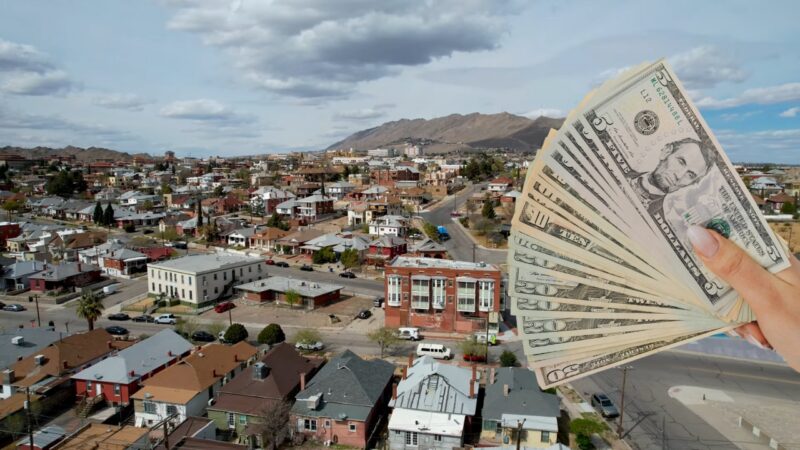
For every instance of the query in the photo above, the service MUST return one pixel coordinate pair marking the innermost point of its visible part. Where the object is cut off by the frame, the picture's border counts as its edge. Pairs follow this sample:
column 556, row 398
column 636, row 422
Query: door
column 99, row 388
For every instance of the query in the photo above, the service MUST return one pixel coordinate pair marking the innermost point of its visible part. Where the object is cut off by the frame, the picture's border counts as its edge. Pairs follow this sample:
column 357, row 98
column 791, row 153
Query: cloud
column 24, row 70
column 21, row 57
column 15, row 120
column 778, row 146
column 203, row 110
column 55, row 82
column 546, row 112
column 759, row 96
column 705, row 67
column 364, row 114
column 791, row 112
column 130, row 102
column 323, row 49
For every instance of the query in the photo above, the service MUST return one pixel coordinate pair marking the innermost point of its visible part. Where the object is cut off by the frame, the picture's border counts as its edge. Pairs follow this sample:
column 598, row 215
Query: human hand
column 774, row 298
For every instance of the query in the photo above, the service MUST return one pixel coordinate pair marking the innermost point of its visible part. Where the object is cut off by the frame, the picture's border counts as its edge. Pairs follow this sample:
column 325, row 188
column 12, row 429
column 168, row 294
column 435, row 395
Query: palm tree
column 90, row 308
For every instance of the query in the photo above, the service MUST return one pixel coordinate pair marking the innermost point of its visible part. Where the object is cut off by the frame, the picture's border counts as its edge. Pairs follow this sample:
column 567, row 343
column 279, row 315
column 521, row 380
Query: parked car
column 167, row 319
column 281, row 264
column 455, row 214
column 203, row 336
column 146, row 318
column 2, row 305
column 347, row 274
column 310, row 346
column 436, row 351
column 377, row 302
column 604, row 405
column 409, row 333
column 480, row 338
column 16, row 307
column 118, row 316
column 117, row 331
column 270, row 262
column 221, row 336
column 224, row 306
column 364, row 314
column 306, row 268
column 180, row 245
column 474, row 358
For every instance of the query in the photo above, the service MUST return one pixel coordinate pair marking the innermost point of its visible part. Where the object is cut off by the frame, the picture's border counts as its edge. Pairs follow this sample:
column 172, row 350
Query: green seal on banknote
column 721, row 226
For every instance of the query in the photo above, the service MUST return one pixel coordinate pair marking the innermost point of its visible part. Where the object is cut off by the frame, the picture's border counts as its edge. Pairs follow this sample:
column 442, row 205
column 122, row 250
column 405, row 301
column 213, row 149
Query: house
column 187, row 227
column 500, row 185
column 510, row 197
column 123, row 262
column 287, row 208
column 119, row 376
column 196, row 433
column 202, row 279
column 64, row 276
column 280, row 374
column 314, row 207
column 100, row 436
column 266, row 239
column 8, row 230
column 17, row 275
column 413, row 196
column 449, row 296
column 44, row 439
column 765, row 186
column 344, row 402
column 184, row 389
column 19, row 343
column 339, row 189
column 223, row 205
column 66, row 246
column 385, row 248
column 776, row 201
column 292, row 243
column 144, row 219
column 338, row 244
column 433, row 406
column 311, row 295
column 92, row 255
column 364, row 212
column 240, row 237
column 513, row 396
column 268, row 198
column 428, row 248
column 389, row 225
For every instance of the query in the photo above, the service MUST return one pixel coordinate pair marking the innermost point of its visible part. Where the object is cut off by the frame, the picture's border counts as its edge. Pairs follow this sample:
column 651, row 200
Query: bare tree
column 272, row 424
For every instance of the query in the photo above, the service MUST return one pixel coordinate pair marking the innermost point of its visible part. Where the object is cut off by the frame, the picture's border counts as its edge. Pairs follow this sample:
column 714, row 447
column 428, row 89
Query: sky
column 240, row 77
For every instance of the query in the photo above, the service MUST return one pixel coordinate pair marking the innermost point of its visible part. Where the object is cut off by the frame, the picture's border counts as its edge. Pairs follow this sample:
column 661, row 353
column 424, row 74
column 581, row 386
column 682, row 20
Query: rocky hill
column 456, row 132
column 81, row 154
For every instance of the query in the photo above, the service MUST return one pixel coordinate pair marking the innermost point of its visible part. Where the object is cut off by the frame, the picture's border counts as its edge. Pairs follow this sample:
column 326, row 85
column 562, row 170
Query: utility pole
column 622, row 400
column 29, row 415
column 230, row 317
column 166, row 434
column 35, row 297
column 519, row 433
column 474, row 246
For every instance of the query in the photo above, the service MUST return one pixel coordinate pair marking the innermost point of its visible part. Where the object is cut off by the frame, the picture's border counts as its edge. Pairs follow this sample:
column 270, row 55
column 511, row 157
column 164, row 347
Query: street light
column 622, row 399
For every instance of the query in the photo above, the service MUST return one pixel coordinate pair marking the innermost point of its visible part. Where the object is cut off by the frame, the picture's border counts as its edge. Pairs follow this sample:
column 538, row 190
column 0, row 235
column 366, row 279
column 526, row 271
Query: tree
column 483, row 226
column 276, row 221
column 471, row 347
column 90, row 308
column 271, row 334
column 97, row 216
column 108, row 216
column 508, row 359
column 147, row 205
column 430, row 230
column 216, row 327
column 307, row 336
column 349, row 258
column 272, row 424
column 384, row 337
column 62, row 184
column 292, row 297
column 235, row 333
column 219, row 191
column 323, row 256
column 166, row 189
column 786, row 208
column 186, row 327
column 488, row 209
column 199, row 213
column 13, row 205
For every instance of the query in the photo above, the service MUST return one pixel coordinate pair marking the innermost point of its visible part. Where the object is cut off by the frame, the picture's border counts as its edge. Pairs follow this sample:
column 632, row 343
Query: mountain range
column 455, row 132
column 81, row 154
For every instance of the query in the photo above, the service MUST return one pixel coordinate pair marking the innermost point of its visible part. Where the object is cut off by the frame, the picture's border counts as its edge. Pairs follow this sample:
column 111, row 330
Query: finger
column 729, row 262
column 751, row 332
column 792, row 274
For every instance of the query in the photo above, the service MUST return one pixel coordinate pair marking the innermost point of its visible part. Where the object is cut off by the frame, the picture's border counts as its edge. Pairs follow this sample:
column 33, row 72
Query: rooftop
column 206, row 263
column 524, row 396
column 422, row 263
column 436, row 387
column 33, row 340
column 283, row 284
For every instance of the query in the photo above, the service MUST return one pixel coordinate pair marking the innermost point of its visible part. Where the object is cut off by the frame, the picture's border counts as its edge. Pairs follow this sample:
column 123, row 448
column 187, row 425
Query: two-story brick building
column 449, row 296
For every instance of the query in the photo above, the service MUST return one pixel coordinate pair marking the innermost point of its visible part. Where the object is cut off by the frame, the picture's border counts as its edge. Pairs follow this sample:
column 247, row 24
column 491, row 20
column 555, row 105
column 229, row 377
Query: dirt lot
column 790, row 231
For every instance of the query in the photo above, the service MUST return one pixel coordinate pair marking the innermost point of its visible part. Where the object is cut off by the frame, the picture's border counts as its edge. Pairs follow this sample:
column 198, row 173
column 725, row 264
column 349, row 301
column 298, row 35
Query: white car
column 310, row 346
column 166, row 319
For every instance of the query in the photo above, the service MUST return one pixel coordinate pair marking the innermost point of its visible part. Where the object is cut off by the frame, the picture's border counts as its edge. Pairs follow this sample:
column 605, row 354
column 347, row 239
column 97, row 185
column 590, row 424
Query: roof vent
column 18, row 340
column 313, row 402
column 260, row 371
column 39, row 359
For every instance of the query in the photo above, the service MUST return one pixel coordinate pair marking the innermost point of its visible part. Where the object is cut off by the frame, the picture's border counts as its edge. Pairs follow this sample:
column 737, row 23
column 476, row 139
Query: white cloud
column 54, row 82
column 791, row 112
column 203, row 110
column 546, row 112
column 705, row 67
column 130, row 102
column 759, row 96
column 21, row 57
column 778, row 146
column 323, row 49
column 363, row 114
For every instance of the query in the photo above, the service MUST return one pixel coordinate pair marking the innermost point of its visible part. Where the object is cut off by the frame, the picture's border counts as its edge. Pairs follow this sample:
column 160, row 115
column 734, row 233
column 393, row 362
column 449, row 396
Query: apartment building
column 450, row 296
column 201, row 279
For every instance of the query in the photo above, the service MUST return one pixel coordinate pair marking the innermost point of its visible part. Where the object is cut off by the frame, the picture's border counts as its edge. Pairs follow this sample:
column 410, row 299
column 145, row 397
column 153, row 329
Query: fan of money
column 601, row 271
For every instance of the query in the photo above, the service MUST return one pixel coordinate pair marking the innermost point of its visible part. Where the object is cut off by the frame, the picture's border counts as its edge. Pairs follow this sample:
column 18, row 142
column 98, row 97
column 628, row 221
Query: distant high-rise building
column 169, row 155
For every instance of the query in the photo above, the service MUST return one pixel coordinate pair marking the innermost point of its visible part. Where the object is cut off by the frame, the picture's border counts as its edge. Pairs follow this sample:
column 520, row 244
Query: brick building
column 311, row 294
column 448, row 296
column 8, row 230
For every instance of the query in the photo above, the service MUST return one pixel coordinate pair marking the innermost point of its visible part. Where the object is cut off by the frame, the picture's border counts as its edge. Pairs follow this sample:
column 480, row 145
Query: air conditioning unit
column 18, row 340
column 39, row 360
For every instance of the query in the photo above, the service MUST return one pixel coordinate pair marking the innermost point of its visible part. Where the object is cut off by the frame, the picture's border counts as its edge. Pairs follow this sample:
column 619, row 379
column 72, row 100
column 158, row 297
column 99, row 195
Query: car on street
column 224, row 306
column 604, row 405
column 146, row 318
column 306, row 268
column 166, row 319
column 270, row 262
column 310, row 346
column 475, row 357
column 203, row 336
column 180, row 245
column 348, row 274
column 2, row 305
column 118, row 316
column 409, row 333
column 16, row 307
column 377, row 302
column 117, row 330
column 281, row 264
column 364, row 314
column 455, row 214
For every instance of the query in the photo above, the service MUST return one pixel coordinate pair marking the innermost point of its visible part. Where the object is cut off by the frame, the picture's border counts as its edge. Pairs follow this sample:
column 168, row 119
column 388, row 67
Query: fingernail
column 702, row 240
column 755, row 342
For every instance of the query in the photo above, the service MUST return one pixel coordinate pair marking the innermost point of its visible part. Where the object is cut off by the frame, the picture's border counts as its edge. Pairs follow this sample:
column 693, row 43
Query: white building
column 199, row 279
column 389, row 225
column 382, row 152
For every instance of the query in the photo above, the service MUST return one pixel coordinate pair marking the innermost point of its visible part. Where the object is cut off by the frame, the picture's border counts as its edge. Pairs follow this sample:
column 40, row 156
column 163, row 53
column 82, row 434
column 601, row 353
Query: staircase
column 87, row 405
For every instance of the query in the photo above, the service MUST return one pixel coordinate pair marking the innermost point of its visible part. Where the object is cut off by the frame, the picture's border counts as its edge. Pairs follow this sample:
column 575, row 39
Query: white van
column 437, row 351
column 411, row 334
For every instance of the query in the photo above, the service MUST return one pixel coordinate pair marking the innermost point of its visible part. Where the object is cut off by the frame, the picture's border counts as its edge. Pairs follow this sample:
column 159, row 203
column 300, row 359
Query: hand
column 774, row 298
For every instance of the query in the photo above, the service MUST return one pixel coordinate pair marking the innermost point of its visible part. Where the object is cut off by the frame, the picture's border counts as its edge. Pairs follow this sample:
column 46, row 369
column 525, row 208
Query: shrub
column 584, row 442
column 508, row 359
column 464, row 222
column 129, row 228
column 271, row 335
column 235, row 333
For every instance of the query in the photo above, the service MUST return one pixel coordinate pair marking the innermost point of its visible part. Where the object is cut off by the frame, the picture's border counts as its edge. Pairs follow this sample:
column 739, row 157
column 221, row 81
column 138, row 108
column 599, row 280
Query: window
column 215, row 276
column 310, row 424
column 485, row 295
column 117, row 389
column 217, row 290
column 190, row 295
column 225, row 276
column 88, row 386
column 172, row 409
column 182, row 279
column 352, row 427
column 183, row 293
column 420, row 294
column 154, row 286
column 545, row 436
column 149, row 407
column 327, row 423
column 466, row 296
column 411, row 438
column 437, row 437
column 393, row 292
column 438, row 293
column 241, row 271
column 249, row 269
column 242, row 419
column 190, row 281
column 231, row 421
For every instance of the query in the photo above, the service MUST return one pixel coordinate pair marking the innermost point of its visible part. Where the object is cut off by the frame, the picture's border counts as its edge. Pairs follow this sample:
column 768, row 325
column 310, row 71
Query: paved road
column 460, row 246
column 647, row 391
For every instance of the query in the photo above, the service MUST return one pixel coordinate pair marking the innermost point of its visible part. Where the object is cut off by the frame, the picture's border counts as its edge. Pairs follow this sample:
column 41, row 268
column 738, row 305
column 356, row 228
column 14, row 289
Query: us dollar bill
column 542, row 328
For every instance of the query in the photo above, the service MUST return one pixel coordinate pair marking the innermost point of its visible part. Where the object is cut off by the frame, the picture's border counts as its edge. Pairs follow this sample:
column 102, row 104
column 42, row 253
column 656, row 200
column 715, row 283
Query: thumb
column 729, row 262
